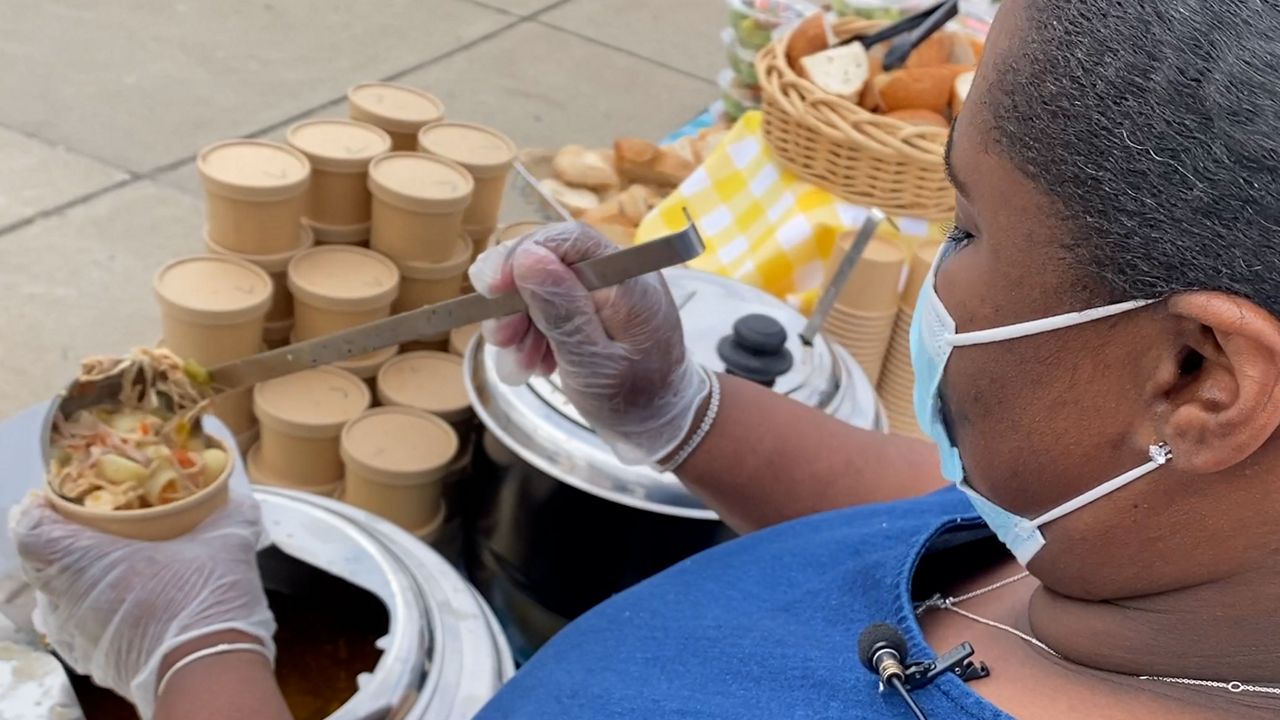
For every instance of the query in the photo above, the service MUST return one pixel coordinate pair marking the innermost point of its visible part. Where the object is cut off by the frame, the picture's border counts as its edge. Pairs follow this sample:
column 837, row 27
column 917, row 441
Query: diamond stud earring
column 1160, row 453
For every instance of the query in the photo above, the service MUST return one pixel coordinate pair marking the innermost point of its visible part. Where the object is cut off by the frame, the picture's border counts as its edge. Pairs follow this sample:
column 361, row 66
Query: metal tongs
column 432, row 320
column 917, row 27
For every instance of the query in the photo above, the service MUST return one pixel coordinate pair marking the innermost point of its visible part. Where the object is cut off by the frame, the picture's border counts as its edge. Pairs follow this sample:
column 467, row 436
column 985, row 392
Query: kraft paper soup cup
column 281, row 309
column 340, row 235
column 418, row 203
column 336, row 287
column 872, row 287
column 213, row 307
column 277, row 334
column 510, row 231
column 439, row 343
column 164, row 522
column 259, row 475
column 254, row 194
column 400, row 110
column 431, row 532
column 427, row 380
column 396, row 459
column 339, row 151
column 460, row 338
column 921, row 262
column 426, row 283
column 486, row 153
column 300, row 418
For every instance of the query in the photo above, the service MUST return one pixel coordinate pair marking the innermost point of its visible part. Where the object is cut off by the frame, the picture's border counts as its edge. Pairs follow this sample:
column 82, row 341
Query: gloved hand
column 113, row 608
column 620, row 351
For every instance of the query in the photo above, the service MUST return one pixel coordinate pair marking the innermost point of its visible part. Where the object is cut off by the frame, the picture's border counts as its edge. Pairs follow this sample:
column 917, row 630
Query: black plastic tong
column 917, row 27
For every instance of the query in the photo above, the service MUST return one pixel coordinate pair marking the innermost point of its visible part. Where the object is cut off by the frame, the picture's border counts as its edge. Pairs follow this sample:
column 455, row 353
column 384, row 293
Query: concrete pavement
column 104, row 105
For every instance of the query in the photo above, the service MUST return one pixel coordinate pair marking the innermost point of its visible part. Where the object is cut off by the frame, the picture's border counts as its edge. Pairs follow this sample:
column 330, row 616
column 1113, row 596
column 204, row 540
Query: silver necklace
column 938, row 602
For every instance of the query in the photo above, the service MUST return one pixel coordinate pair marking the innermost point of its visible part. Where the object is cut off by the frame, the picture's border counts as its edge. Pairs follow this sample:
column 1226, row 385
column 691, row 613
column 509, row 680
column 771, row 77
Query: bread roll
column 580, row 167
column 620, row 235
column 640, row 161
column 922, row 118
column 708, row 140
column 576, row 200
column 841, row 71
column 686, row 147
column 920, row 88
column 935, row 50
column 960, row 91
column 635, row 202
column 808, row 38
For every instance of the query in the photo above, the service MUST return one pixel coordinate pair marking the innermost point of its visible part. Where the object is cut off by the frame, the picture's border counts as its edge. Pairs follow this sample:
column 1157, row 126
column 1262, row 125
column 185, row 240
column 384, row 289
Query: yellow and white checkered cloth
column 762, row 224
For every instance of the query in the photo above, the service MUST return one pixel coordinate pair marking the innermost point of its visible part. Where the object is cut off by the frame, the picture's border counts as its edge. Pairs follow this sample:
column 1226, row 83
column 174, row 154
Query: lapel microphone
column 883, row 651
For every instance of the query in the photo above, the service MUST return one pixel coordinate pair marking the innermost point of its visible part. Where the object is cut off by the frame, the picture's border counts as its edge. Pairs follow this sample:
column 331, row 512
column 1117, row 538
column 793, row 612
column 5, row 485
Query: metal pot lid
column 538, row 423
column 444, row 654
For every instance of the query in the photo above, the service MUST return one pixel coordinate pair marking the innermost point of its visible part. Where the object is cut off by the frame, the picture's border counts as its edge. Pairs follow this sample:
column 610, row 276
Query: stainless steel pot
column 559, row 525
column 436, row 650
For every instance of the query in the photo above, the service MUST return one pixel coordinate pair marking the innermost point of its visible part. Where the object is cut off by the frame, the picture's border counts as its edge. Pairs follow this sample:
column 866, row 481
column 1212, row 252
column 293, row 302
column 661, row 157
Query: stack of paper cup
column 279, row 322
column 897, row 381
column 254, row 194
column 212, row 311
column 400, row 110
column 336, row 287
column 863, row 316
column 396, row 459
column 434, row 382
column 338, row 200
column 418, row 204
column 302, row 416
column 487, row 154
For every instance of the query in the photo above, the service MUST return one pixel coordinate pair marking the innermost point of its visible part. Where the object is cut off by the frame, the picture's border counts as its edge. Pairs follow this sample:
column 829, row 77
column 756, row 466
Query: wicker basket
column 862, row 157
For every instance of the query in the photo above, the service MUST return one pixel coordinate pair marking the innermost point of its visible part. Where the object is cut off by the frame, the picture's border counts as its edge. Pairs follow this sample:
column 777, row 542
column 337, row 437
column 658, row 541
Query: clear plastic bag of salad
column 754, row 22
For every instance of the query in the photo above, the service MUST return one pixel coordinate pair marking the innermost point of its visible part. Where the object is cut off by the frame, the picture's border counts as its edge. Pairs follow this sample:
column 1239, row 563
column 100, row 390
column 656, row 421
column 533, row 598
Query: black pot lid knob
column 757, row 349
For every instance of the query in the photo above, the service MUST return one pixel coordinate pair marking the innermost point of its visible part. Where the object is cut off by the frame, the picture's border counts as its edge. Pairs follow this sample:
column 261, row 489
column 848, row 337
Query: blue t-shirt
column 765, row 626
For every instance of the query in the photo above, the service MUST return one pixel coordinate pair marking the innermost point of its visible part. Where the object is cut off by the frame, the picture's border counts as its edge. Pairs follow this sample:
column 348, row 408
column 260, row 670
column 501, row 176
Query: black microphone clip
column 954, row 661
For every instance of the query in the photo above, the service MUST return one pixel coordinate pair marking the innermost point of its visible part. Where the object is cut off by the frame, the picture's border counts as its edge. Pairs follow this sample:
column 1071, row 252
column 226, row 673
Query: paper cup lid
column 399, row 444
column 516, row 230
column 343, row 277
column 339, row 145
column 213, row 289
column 398, row 108
column 311, row 403
column 420, row 182
column 427, row 380
column 253, row 169
column 479, row 149
column 271, row 263
column 453, row 267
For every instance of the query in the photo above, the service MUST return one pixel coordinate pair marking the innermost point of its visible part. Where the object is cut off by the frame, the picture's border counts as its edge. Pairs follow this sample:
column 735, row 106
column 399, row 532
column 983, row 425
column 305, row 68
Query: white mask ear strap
column 1160, row 453
column 1043, row 325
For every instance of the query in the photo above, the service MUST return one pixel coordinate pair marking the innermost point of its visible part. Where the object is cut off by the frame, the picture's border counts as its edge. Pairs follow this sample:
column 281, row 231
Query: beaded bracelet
column 704, row 427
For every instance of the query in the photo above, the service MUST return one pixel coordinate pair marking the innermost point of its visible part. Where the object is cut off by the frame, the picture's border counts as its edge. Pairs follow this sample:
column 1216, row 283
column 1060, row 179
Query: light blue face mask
column 933, row 336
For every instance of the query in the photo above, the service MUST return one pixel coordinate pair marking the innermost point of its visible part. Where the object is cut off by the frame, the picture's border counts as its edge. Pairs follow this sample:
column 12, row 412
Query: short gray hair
column 1155, row 125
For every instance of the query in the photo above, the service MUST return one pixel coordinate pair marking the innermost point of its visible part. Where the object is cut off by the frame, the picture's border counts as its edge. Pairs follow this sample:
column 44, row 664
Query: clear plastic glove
column 113, row 608
column 620, row 351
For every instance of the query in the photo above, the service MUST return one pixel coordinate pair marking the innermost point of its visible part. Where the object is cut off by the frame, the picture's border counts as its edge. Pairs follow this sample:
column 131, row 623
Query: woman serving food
column 1096, row 357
